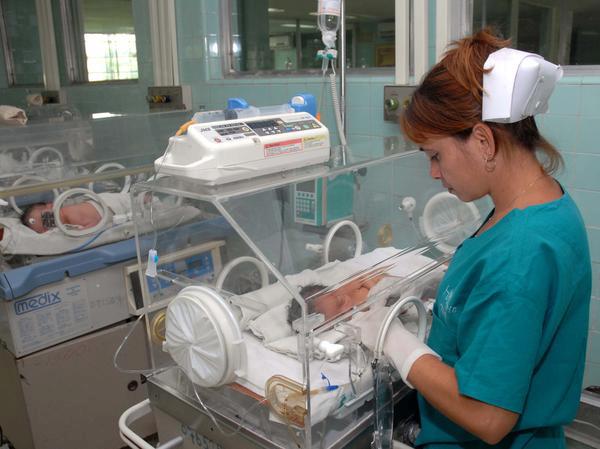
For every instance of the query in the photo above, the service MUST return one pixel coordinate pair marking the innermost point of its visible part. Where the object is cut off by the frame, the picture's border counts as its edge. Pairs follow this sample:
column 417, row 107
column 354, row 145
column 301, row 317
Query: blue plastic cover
column 237, row 103
column 309, row 105
column 20, row 281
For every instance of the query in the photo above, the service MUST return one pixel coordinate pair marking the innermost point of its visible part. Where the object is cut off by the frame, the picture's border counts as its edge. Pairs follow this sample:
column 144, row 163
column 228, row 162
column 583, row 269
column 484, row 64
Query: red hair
column 448, row 101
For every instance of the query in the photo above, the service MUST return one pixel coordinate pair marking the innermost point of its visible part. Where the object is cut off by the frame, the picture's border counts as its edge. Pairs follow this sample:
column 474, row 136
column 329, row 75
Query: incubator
column 66, row 228
column 267, row 353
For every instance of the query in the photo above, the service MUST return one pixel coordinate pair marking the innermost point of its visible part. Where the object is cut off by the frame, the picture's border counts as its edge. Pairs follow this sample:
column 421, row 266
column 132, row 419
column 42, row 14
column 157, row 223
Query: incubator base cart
column 179, row 419
column 268, row 354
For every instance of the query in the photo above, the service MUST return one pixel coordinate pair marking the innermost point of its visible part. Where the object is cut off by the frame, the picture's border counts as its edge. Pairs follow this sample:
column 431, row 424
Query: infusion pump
column 230, row 150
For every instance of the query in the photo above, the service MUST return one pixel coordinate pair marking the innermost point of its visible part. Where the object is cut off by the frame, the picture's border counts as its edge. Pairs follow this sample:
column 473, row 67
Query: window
column 282, row 35
column 563, row 31
column 99, row 40
column 21, row 42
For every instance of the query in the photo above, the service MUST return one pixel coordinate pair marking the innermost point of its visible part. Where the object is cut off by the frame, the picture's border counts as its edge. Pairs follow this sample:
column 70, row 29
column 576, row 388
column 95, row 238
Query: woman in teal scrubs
column 505, row 357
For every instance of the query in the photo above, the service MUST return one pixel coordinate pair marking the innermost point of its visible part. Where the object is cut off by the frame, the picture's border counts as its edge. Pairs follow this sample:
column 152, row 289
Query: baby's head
column 331, row 303
column 39, row 217
column 295, row 311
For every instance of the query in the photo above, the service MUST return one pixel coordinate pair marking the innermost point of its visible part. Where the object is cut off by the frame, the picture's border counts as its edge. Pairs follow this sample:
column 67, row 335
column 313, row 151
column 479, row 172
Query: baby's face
column 342, row 299
column 35, row 219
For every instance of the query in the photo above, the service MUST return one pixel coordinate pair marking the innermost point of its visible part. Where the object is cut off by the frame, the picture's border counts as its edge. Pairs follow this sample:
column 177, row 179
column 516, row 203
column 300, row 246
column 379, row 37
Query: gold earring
column 490, row 165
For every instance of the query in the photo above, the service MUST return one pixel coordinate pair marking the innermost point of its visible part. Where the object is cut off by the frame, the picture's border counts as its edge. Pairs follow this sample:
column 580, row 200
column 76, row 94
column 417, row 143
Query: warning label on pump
column 285, row 147
column 314, row 142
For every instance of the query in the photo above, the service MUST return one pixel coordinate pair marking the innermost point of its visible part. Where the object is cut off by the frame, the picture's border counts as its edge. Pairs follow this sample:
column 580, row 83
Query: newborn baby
column 83, row 215
column 40, row 216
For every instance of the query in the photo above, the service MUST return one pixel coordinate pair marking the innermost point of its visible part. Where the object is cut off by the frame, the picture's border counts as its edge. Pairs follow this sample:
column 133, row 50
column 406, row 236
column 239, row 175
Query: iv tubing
column 338, row 115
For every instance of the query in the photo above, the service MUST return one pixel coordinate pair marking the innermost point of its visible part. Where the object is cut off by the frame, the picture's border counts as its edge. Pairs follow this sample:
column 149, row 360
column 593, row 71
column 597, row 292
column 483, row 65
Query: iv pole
column 342, row 60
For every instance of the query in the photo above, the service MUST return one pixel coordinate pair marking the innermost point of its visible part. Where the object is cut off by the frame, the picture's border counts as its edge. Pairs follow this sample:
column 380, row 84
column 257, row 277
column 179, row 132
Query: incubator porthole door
column 204, row 338
column 447, row 220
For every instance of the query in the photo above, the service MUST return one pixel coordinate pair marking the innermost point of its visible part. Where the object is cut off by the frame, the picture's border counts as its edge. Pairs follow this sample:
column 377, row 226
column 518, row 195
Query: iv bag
column 328, row 19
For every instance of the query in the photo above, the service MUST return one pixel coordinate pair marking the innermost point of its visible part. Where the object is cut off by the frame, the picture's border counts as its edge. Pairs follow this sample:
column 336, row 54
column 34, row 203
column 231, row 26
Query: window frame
column 8, row 59
column 74, row 47
column 225, row 9
column 49, row 77
column 569, row 70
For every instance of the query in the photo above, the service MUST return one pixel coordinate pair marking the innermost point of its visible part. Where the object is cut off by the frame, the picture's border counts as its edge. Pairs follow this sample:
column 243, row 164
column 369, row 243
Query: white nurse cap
column 518, row 85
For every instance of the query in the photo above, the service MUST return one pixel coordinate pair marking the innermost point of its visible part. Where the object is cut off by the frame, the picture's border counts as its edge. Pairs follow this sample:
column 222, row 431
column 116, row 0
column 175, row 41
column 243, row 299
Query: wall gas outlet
column 169, row 98
column 394, row 97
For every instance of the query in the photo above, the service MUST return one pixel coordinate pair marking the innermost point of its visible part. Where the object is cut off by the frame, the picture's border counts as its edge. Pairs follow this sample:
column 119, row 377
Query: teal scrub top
column 511, row 317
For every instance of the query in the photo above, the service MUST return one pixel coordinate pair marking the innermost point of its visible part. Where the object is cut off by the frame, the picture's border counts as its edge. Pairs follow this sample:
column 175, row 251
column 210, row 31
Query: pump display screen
column 308, row 186
column 264, row 124
column 278, row 126
column 228, row 129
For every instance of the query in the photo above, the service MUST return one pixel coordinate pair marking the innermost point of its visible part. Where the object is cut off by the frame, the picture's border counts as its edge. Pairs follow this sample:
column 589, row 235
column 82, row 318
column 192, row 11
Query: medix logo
column 36, row 302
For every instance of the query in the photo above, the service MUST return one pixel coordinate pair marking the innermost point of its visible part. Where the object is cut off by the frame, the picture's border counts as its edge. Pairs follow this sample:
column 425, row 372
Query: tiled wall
column 572, row 124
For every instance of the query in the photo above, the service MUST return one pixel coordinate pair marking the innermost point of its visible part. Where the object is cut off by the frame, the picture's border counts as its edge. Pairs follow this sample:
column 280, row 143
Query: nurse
column 505, row 357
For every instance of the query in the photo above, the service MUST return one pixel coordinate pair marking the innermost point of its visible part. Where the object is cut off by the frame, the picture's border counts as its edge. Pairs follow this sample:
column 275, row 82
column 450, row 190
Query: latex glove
column 401, row 347
column 369, row 323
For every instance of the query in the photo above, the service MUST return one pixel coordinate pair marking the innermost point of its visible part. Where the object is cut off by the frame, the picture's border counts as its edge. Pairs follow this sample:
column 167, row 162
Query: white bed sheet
column 263, row 363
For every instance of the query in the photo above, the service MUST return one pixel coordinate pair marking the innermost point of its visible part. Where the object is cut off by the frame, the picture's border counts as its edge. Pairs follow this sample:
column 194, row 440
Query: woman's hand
column 401, row 347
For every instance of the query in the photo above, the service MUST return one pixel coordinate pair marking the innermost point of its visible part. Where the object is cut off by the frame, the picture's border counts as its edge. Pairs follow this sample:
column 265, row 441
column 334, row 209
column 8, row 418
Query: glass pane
column 284, row 35
column 584, row 34
column 109, row 38
column 562, row 31
column 23, row 42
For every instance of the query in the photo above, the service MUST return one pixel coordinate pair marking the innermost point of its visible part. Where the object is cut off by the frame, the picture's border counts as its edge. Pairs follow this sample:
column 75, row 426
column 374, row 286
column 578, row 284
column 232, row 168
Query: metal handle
column 132, row 439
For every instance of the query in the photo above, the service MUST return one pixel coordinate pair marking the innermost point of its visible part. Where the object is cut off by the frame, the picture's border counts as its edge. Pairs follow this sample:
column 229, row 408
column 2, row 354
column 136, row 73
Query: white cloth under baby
column 263, row 363
column 255, row 303
column 272, row 325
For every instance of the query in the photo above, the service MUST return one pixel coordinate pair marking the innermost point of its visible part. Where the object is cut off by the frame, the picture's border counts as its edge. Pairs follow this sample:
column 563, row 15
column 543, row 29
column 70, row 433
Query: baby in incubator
column 40, row 216
column 331, row 303
column 84, row 215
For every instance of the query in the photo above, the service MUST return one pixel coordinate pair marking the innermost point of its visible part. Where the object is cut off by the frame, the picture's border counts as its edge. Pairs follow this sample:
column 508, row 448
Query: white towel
column 263, row 363
column 9, row 115
column 272, row 325
column 257, row 302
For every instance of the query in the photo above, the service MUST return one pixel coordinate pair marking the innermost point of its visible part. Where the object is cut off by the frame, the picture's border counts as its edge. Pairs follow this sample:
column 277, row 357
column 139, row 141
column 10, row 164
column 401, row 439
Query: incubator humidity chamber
column 268, row 354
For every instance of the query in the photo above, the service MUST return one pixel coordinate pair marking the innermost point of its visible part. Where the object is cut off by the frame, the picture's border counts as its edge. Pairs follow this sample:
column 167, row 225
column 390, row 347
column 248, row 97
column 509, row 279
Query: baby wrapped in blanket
column 266, row 312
